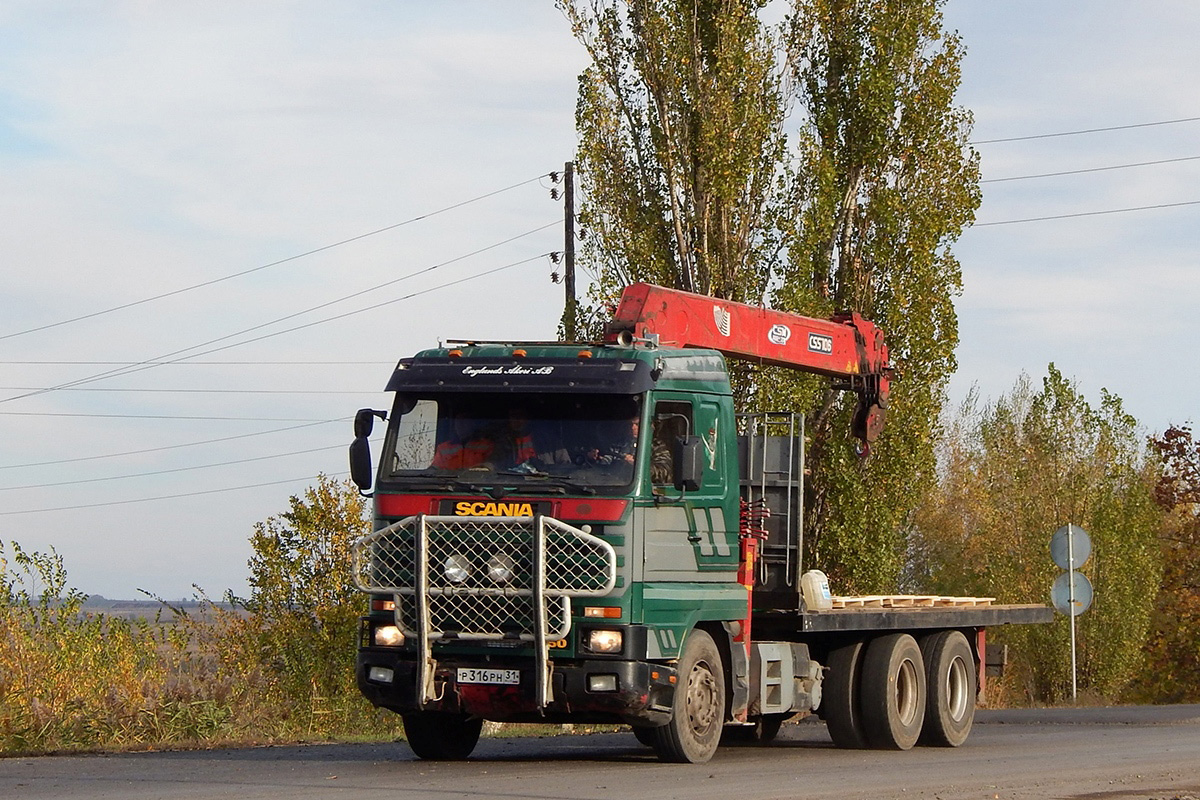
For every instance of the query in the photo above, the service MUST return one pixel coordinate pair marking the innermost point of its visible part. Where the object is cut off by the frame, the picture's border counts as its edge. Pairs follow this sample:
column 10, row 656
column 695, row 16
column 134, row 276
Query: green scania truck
column 589, row 533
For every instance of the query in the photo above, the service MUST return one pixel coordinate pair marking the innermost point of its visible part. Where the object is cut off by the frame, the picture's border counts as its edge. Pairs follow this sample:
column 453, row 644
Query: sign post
column 1071, row 594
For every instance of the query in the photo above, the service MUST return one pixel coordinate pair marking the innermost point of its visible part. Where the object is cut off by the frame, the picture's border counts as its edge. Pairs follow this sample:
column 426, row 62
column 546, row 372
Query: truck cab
column 552, row 524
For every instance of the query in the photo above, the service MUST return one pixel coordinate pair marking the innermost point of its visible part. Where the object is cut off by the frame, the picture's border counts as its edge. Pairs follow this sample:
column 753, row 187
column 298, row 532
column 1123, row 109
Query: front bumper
column 642, row 696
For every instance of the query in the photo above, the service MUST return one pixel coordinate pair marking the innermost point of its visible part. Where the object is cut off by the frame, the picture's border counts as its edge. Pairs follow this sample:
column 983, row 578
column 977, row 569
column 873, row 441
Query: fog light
column 381, row 674
column 602, row 683
column 456, row 569
column 387, row 636
column 602, row 641
column 500, row 568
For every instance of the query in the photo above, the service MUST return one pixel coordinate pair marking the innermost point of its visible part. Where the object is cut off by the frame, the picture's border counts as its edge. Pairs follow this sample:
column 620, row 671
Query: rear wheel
column 950, row 686
column 840, row 700
column 698, row 709
column 893, row 692
column 436, row 736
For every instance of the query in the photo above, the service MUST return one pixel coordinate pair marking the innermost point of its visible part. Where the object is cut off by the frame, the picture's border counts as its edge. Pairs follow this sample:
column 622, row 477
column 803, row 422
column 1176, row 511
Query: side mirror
column 360, row 448
column 364, row 421
column 360, row 463
column 689, row 463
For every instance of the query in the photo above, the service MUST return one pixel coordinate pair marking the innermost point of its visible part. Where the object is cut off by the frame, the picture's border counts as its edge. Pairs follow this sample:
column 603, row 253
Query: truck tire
column 437, row 736
column 840, row 697
column 950, row 689
column 698, row 708
column 893, row 692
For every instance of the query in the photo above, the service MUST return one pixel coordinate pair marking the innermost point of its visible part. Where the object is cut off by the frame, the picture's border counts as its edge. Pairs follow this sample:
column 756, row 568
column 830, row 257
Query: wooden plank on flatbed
column 908, row 601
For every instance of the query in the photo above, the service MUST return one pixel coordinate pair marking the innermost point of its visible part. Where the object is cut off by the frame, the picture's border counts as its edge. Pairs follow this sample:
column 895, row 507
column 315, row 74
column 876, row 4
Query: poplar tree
column 681, row 145
column 690, row 182
column 887, row 181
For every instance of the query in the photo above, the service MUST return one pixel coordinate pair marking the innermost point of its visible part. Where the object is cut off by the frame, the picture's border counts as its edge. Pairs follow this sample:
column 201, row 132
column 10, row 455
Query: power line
column 202, row 363
column 1088, row 130
column 1087, row 214
column 157, row 416
column 341, row 316
column 378, row 305
column 172, row 446
column 163, row 497
column 314, row 251
column 144, row 390
column 1092, row 169
column 167, row 358
column 172, row 471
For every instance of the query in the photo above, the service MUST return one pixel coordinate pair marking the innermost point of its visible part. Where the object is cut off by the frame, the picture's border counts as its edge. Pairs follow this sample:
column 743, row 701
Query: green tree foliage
column 303, row 605
column 1015, row 471
column 887, row 182
column 1172, row 673
column 681, row 145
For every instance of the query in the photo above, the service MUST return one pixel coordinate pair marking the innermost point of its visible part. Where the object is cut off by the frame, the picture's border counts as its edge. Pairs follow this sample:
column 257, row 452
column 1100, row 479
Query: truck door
column 687, row 535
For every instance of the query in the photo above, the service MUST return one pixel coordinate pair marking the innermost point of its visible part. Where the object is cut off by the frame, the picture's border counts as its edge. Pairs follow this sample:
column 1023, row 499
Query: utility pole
column 570, row 330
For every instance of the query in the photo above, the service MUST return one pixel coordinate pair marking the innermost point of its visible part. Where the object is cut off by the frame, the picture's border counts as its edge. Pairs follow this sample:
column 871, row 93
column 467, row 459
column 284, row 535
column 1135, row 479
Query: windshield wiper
column 554, row 481
column 437, row 482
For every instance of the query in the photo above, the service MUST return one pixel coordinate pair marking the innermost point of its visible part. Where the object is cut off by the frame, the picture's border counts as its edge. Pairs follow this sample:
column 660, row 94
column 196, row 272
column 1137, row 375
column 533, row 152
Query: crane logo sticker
column 817, row 343
column 723, row 319
column 779, row 334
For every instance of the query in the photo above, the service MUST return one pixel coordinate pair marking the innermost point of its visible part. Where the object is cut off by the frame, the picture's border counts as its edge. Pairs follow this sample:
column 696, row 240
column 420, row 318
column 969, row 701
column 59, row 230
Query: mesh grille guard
column 481, row 578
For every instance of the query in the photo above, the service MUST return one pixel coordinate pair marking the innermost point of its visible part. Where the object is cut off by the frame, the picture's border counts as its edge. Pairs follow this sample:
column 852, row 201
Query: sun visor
column 603, row 375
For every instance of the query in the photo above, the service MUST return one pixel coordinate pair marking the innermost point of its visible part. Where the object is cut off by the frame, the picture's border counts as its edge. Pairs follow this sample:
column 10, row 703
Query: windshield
column 562, row 443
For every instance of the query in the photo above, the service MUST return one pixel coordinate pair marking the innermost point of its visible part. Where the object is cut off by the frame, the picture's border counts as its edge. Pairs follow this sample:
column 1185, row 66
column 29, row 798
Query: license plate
column 502, row 677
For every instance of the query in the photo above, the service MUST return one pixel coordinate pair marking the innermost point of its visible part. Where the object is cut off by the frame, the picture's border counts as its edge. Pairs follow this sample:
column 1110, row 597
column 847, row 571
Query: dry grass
column 71, row 680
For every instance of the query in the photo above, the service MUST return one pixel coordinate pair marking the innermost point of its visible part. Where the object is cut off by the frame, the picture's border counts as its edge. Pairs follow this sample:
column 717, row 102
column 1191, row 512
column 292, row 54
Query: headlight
column 456, row 568
column 387, row 636
column 602, row 641
column 500, row 568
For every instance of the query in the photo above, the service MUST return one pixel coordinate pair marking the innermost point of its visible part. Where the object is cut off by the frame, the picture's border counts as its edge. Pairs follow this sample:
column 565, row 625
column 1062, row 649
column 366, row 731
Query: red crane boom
column 847, row 348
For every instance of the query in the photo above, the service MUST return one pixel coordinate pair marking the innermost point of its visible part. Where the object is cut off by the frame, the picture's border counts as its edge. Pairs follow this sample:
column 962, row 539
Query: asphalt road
column 1095, row 754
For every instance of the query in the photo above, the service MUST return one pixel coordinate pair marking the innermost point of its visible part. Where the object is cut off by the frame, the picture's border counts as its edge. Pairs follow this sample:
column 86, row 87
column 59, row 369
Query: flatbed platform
column 880, row 618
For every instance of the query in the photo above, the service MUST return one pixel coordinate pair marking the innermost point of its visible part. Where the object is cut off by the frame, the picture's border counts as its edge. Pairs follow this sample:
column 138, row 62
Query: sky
column 281, row 199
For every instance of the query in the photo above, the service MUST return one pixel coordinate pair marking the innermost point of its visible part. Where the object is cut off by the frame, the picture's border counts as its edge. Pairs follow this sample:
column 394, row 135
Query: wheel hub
column 701, row 699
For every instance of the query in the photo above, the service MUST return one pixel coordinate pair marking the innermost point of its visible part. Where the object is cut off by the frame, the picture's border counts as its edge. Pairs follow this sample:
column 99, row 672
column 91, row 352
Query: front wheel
column 437, row 736
column 698, row 708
